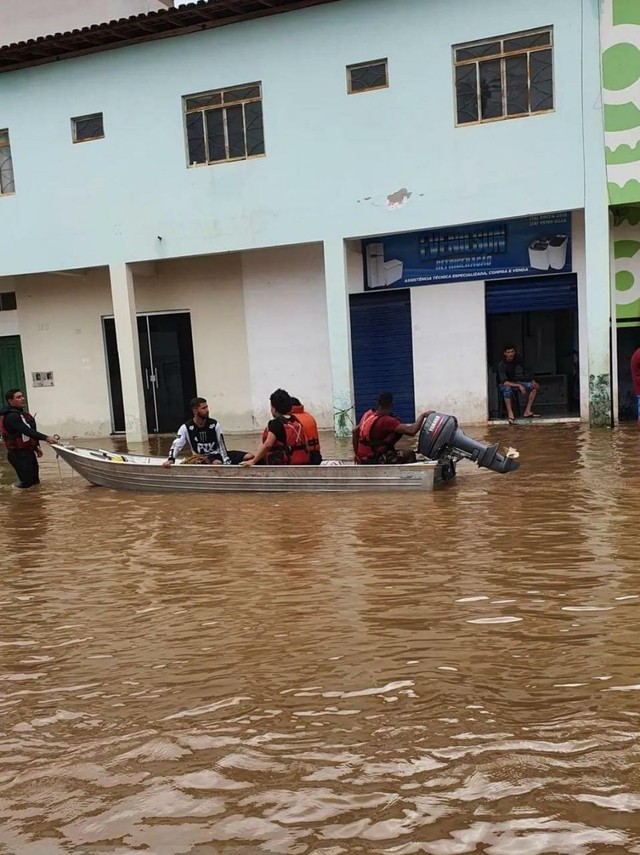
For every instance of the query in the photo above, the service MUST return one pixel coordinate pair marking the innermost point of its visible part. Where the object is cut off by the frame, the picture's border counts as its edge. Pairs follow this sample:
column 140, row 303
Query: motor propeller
column 441, row 439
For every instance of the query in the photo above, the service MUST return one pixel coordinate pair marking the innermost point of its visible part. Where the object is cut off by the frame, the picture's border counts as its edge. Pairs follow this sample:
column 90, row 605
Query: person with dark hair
column 284, row 442
column 310, row 427
column 202, row 434
column 378, row 430
column 22, row 439
column 514, row 377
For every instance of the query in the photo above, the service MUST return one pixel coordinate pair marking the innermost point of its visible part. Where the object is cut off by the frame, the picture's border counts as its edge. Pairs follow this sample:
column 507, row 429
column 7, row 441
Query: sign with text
column 497, row 250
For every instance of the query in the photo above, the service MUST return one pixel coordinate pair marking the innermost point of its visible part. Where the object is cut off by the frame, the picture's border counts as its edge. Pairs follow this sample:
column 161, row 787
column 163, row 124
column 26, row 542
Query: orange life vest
column 294, row 451
column 368, row 448
column 310, row 427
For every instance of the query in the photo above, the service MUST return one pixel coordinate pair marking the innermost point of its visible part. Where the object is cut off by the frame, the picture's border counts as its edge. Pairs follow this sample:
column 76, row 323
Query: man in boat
column 310, row 427
column 284, row 442
column 375, row 437
column 22, row 439
column 202, row 434
column 514, row 377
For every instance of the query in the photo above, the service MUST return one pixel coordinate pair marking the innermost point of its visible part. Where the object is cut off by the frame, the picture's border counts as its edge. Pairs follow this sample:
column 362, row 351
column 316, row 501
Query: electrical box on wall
column 42, row 378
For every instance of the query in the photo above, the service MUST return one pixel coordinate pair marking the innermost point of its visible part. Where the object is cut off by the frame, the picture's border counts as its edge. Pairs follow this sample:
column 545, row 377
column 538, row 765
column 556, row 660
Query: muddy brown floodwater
column 449, row 673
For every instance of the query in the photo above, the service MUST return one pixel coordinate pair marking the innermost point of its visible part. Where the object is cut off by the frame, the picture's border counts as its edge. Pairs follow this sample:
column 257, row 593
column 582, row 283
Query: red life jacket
column 368, row 448
column 19, row 441
column 310, row 427
column 292, row 453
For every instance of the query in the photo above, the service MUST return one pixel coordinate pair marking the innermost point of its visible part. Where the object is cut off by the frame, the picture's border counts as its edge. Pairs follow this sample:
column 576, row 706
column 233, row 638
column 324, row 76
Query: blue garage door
column 532, row 294
column 382, row 351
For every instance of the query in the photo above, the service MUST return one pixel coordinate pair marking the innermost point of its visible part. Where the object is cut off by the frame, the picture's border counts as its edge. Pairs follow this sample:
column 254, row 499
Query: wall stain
column 600, row 400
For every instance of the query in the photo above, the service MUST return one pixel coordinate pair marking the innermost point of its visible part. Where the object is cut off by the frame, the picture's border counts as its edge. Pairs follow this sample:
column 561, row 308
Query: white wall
column 9, row 323
column 579, row 267
column 287, row 334
column 61, row 331
column 450, row 349
column 210, row 288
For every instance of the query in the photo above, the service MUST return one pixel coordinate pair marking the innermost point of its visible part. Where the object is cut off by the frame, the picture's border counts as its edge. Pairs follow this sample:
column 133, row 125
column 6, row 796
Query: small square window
column 85, row 128
column 366, row 76
column 8, row 301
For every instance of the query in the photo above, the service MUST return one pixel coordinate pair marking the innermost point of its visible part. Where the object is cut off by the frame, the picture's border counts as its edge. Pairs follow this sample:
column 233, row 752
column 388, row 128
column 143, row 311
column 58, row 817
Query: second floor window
column 7, row 184
column 505, row 77
column 225, row 124
column 85, row 128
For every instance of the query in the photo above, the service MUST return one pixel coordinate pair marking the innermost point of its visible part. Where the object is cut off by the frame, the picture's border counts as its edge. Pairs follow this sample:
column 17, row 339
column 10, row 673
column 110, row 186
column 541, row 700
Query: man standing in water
column 22, row 439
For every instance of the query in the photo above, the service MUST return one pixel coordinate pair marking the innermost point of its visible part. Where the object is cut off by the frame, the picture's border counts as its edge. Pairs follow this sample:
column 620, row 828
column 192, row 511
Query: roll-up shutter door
column 382, row 350
column 532, row 294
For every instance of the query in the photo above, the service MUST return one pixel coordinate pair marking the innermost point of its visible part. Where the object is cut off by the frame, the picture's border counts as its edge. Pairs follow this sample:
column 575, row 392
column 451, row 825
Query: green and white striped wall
column 621, row 95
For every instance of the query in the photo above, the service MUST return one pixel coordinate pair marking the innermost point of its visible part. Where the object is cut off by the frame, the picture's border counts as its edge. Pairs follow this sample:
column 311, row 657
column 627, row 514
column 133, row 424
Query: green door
column 11, row 365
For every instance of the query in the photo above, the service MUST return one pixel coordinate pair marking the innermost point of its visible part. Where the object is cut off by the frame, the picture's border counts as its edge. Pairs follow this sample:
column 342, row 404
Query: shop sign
column 530, row 246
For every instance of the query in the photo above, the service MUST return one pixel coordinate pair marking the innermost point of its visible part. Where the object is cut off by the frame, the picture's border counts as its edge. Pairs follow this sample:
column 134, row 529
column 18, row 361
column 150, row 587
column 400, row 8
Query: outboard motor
column 441, row 439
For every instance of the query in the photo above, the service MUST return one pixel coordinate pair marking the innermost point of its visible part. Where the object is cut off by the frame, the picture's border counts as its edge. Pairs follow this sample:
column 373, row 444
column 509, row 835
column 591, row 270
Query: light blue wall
column 106, row 201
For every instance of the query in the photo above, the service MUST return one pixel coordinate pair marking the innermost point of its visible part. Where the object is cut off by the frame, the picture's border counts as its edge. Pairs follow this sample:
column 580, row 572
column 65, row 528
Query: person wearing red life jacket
column 310, row 427
column 283, row 441
column 377, row 432
column 22, row 439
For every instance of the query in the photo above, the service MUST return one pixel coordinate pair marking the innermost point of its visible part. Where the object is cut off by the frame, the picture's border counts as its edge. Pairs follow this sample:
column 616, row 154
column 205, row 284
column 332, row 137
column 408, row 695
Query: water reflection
column 450, row 673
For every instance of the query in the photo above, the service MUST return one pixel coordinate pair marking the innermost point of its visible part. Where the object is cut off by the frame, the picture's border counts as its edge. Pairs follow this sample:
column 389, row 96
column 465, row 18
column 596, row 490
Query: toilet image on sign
column 381, row 273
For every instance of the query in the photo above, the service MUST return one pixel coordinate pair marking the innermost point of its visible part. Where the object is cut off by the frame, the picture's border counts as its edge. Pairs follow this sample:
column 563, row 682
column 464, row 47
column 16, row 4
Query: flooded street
column 456, row 672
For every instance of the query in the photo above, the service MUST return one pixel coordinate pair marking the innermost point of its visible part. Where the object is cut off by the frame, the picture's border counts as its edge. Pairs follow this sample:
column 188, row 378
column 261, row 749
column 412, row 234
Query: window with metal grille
column 8, row 301
column 503, row 78
column 85, row 128
column 224, row 125
column 366, row 76
column 7, row 184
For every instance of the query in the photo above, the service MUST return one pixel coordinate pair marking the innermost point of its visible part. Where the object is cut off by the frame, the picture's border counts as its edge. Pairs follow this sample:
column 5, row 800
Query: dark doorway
column 382, row 350
column 11, row 366
column 539, row 316
column 548, row 342
column 628, row 342
column 168, row 370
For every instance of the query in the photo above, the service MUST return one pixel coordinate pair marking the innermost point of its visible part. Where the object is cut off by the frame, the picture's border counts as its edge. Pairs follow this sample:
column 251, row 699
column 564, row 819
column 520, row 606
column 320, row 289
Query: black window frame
column 498, row 50
column 87, row 118
column 8, row 301
column 7, row 184
column 358, row 66
column 213, row 115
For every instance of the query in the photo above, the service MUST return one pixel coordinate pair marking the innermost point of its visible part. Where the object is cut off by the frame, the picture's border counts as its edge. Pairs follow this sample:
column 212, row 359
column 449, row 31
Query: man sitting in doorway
column 375, row 437
column 514, row 377
column 202, row 434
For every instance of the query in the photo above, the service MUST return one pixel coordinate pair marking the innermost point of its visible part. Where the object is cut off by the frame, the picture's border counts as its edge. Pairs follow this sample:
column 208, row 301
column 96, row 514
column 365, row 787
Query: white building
column 334, row 197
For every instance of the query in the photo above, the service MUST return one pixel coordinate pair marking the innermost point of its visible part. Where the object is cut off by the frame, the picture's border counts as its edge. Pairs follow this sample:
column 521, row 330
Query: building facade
column 621, row 86
column 335, row 197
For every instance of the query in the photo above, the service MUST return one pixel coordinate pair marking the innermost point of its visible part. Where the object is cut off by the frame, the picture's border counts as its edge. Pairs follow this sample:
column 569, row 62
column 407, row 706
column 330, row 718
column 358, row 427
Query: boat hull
column 146, row 474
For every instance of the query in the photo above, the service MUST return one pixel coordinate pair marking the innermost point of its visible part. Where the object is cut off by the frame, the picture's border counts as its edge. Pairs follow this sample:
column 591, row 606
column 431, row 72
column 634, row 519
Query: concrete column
column 124, row 312
column 337, row 296
column 596, row 224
